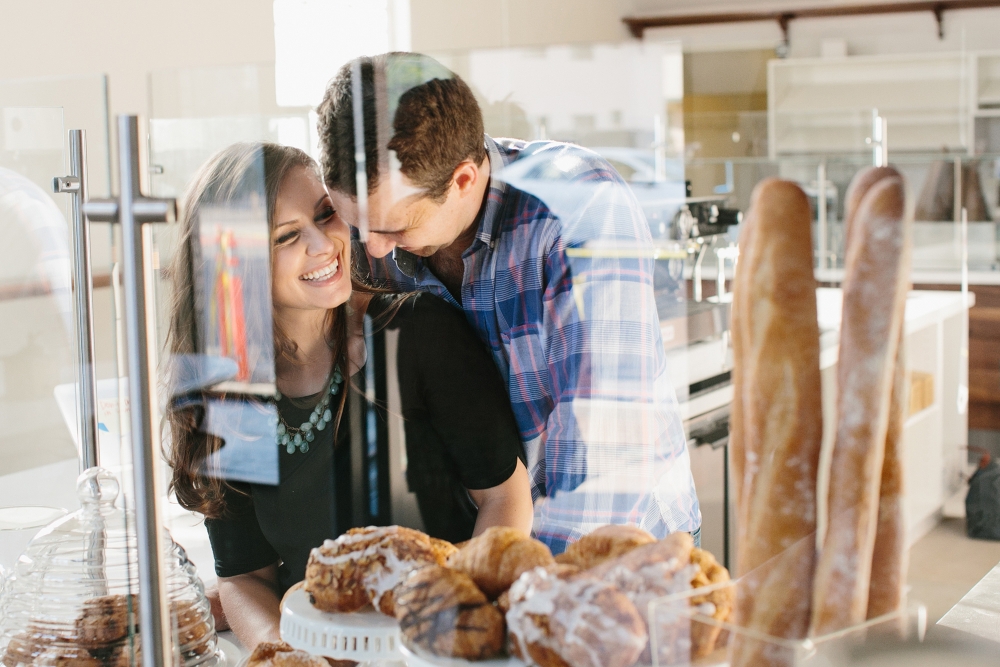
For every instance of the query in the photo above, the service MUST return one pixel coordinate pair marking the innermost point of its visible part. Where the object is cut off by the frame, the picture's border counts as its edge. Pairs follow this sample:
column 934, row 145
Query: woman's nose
column 320, row 244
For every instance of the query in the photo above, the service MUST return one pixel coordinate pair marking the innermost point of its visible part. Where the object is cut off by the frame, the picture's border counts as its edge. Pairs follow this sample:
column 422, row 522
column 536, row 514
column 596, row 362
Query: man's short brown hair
column 436, row 123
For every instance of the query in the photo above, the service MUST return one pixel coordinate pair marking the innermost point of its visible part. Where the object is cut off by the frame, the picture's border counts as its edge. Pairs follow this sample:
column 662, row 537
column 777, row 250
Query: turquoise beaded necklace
column 292, row 437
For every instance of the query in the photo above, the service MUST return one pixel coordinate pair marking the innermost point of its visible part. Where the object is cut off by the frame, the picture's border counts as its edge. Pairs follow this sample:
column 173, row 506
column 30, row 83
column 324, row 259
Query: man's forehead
column 384, row 217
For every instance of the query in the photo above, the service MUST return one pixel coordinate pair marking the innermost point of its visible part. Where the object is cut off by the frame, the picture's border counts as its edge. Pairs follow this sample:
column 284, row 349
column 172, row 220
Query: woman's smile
column 325, row 275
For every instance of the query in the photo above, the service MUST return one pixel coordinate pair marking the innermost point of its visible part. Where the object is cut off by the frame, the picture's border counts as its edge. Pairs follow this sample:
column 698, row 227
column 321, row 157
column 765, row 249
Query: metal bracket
column 66, row 184
column 145, row 210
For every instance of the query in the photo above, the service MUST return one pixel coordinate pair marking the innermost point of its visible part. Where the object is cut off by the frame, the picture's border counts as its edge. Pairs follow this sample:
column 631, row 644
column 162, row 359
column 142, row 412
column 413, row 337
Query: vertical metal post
column 956, row 195
column 154, row 616
column 821, row 227
column 132, row 210
column 83, row 297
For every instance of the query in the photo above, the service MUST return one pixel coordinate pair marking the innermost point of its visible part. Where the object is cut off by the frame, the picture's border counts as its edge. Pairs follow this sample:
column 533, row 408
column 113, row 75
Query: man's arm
column 252, row 605
column 507, row 504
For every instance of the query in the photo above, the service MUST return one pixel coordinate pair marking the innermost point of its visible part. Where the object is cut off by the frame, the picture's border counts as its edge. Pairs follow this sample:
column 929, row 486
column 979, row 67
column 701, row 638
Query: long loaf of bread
column 874, row 296
column 780, row 413
column 742, row 390
column 890, row 555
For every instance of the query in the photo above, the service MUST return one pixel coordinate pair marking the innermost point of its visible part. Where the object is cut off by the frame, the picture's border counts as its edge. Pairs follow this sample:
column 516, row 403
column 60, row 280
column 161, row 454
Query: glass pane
column 38, row 350
column 221, row 147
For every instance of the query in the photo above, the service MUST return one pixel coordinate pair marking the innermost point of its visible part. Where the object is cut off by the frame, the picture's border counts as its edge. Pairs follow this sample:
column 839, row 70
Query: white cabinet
column 934, row 438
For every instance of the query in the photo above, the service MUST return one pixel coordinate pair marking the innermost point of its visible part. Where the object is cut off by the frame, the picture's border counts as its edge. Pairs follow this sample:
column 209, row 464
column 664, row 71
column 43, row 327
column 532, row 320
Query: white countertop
column 923, row 308
column 978, row 612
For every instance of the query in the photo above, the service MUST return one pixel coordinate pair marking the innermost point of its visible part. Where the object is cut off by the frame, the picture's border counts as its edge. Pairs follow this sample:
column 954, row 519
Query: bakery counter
column 936, row 431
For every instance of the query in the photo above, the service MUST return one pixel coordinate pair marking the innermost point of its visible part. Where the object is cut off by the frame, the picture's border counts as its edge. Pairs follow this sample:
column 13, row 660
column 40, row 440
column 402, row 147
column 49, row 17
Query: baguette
column 737, row 440
column 874, row 298
column 889, row 558
column 856, row 191
column 779, row 422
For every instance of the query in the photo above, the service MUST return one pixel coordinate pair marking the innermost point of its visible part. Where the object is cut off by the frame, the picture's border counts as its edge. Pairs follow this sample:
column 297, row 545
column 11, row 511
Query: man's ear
column 465, row 176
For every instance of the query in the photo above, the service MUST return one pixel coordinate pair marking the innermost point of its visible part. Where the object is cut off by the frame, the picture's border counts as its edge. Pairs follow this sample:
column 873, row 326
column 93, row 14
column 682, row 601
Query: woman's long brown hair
column 234, row 178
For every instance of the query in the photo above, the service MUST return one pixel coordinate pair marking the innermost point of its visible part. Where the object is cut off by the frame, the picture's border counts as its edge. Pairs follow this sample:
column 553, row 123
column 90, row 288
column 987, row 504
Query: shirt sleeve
column 238, row 544
column 463, row 398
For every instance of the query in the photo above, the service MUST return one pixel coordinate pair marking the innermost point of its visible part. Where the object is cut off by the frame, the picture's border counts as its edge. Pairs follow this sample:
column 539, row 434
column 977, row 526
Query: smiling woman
column 467, row 466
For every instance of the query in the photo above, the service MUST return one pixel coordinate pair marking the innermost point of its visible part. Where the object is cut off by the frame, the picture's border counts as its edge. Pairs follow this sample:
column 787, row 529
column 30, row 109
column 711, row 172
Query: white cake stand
column 361, row 636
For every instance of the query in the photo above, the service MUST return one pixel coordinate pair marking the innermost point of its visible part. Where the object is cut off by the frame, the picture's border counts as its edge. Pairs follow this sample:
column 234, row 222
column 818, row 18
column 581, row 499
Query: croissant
column 441, row 611
column 497, row 557
column 603, row 544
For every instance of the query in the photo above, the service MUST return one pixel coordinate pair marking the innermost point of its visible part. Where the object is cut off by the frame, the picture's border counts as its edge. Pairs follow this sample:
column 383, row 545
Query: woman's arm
column 251, row 604
column 507, row 504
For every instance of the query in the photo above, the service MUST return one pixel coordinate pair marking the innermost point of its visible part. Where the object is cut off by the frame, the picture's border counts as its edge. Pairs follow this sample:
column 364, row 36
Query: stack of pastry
column 103, row 637
column 788, row 589
column 504, row 590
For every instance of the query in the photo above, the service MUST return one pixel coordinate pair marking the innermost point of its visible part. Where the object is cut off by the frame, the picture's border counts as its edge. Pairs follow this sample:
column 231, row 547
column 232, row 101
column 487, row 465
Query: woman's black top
column 460, row 434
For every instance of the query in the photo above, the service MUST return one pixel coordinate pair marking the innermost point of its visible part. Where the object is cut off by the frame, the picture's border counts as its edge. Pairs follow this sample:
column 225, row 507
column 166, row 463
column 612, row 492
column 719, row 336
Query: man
column 544, row 248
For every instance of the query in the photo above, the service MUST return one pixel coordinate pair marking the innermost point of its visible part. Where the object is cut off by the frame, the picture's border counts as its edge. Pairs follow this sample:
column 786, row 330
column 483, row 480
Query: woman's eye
column 324, row 215
column 285, row 238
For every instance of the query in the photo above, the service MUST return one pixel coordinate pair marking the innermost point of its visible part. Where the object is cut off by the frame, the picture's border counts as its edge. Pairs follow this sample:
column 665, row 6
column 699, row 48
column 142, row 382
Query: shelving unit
column 824, row 105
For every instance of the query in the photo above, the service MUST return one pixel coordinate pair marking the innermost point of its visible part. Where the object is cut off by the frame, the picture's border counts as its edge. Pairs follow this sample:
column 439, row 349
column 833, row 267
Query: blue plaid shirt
column 559, row 284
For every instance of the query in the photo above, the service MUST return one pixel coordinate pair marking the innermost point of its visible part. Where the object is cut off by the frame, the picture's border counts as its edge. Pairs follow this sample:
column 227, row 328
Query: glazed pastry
column 497, row 557
column 280, row 654
column 874, row 292
column 649, row 572
column 363, row 566
column 778, row 425
column 561, row 570
column 583, row 622
column 441, row 611
column 889, row 558
column 104, row 619
column 603, row 544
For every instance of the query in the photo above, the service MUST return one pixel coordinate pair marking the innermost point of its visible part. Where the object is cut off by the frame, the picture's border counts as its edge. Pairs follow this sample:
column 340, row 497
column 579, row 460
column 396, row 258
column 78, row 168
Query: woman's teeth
column 322, row 274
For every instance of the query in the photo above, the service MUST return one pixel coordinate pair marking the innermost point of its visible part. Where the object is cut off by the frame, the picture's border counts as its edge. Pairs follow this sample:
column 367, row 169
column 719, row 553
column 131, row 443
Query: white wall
column 446, row 25
column 127, row 39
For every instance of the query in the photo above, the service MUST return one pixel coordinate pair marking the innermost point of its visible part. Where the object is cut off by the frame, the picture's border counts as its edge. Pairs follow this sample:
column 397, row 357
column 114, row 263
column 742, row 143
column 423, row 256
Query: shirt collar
column 488, row 220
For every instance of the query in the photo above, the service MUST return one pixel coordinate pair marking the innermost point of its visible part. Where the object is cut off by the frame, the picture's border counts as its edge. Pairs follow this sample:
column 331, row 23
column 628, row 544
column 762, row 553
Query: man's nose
column 379, row 246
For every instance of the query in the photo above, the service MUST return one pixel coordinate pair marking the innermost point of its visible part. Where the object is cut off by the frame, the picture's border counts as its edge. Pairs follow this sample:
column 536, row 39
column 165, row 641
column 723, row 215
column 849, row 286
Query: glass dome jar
column 71, row 598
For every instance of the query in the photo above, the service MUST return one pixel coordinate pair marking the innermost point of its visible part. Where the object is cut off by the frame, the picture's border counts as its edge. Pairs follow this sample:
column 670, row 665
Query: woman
column 261, row 534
